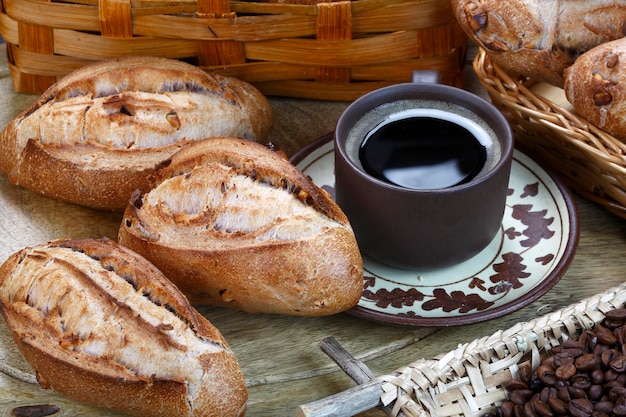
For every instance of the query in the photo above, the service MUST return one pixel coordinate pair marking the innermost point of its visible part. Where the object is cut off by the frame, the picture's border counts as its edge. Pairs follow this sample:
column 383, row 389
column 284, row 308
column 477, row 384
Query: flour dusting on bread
column 225, row 206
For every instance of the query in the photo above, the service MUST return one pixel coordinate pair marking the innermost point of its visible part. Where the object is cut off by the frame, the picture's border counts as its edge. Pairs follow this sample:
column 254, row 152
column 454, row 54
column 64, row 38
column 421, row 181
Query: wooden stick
column 357, row 370
column 362, row 398
column 356, row 400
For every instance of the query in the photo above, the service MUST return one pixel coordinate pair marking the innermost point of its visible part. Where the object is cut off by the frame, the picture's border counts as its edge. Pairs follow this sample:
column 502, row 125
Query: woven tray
column 469, row 381
column 591, row 161
column 337, row 50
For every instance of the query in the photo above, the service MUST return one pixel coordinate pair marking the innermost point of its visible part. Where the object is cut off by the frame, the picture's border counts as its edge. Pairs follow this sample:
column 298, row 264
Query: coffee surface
column 422, row 153
column 422, row 144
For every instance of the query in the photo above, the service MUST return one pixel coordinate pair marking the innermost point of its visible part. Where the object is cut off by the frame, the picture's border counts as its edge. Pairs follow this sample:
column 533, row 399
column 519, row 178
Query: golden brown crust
column 47, row 170
column 101, row 325
column 235, row 225
column 595, row 85
column 116, row 120
column 539, row 39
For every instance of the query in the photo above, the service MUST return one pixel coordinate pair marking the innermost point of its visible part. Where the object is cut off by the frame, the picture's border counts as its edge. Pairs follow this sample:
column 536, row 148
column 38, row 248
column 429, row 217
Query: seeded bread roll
column 95, row 136
column 595, row 85
column 234, row 224
column 101, row 325
column 537, row 38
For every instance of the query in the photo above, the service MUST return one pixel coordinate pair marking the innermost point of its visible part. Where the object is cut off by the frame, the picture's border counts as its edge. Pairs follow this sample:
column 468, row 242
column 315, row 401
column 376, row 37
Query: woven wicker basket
column 591, row 161
column 336, row 50
column 469, row 380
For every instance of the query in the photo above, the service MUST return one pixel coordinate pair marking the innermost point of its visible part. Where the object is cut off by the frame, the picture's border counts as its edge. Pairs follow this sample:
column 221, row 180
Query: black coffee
column 422, row 153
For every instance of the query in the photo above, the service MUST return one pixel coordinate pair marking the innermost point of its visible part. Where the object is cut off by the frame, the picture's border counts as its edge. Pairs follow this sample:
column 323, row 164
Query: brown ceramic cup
column 421, row 224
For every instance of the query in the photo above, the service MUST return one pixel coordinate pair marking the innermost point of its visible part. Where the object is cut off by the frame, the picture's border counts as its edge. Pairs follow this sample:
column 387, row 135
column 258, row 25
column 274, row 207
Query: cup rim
column 428, row 91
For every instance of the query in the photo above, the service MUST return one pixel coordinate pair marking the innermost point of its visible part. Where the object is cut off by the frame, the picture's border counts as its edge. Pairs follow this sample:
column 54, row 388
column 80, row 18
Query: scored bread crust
column 595, row 85
column 101, row 325
column 539, row 39
column 96, row 135
column 235, row 224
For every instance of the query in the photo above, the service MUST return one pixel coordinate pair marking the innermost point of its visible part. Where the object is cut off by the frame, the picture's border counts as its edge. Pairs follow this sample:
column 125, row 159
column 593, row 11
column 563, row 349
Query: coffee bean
column 604, row 406
column 618, row 364
column 515, row 384
column 517, row 398
column 572, row 344
column 526, row 393
column 619, row 410
column 597, row 376
column 40, row 410
column 546, row 375
column 613, row 323
column 580, row 407
column 611, row 375
column 595, row 392
column 583, row 377
column 547, row 393
column 529, row 410
column 542, row 409
column 564, row 395
column 525, row 373
column 557, row 405
column 563, row 358
column 599, row 349
column 575, row 351
column 616, row 392
column 608, row 356
column 580, row 381
column 620, row 333
column 506, row 408
column 618, row 313
column 589, row 340
column 587, row 362
column 610, row 384
column 605, row 336
column 565, row 372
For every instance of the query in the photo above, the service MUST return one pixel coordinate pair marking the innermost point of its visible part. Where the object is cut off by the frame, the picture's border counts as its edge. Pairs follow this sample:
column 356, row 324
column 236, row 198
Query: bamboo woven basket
column 469, row 380
column 591, row 161
column 336, row 50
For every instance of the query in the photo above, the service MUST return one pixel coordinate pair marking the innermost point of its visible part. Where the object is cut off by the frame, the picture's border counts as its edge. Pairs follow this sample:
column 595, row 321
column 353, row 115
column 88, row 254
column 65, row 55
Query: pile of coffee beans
column 584, row 377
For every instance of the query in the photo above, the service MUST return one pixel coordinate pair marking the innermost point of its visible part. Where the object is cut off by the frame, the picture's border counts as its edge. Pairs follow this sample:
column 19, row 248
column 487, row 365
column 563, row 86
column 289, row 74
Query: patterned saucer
column 529, row 255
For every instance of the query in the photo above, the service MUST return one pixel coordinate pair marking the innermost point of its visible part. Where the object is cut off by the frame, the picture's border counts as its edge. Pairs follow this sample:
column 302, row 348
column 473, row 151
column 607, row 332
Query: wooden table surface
column 280, row 355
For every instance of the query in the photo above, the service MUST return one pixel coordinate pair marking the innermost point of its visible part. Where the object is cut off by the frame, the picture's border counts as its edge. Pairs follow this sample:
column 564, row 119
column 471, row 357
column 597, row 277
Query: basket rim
column 589, row 149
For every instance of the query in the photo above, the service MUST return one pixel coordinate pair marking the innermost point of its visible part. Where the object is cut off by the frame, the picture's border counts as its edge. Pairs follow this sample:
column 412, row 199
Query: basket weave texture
column 335, row 50
column 469, row 381
column 591, row 161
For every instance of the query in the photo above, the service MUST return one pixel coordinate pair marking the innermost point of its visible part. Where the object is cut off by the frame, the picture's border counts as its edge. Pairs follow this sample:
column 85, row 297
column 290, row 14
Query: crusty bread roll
column 95, row 136
column 536, row 38
column 101, row 325
column 595, row 85
column 234, row 224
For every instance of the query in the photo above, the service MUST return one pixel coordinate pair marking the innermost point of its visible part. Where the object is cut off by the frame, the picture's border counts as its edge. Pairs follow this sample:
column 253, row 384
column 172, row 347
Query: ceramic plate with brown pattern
column 530, row 254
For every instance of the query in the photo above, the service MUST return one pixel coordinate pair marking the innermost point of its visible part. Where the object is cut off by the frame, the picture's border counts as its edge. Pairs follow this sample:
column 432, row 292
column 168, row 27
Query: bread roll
column 536, row 38
column 95, row 136
column 101, row 325
column 234, row 224
column 595, row 85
